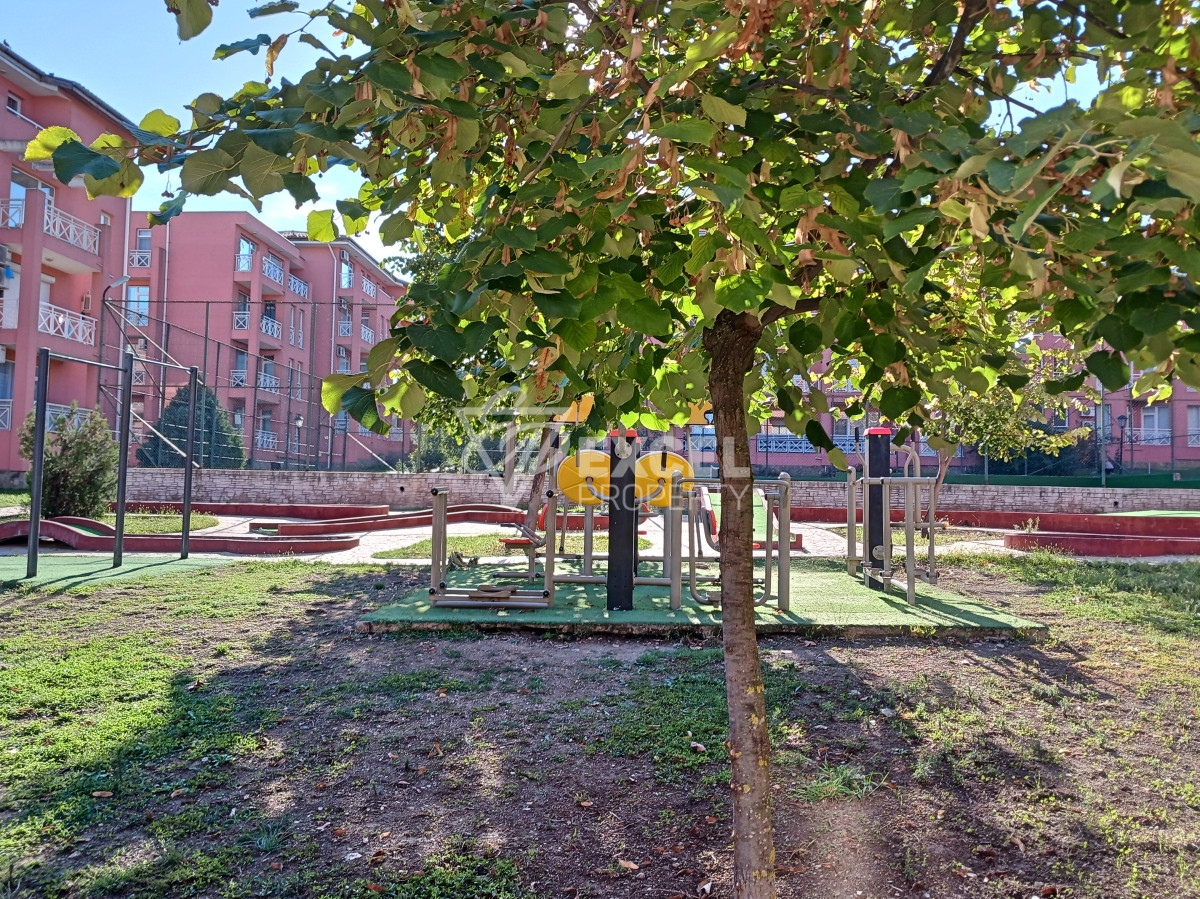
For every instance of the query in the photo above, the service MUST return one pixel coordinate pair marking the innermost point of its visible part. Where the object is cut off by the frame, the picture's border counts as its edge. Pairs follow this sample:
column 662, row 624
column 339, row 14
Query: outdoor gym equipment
column 41, row 404
column 626, row 481
column 875, row 564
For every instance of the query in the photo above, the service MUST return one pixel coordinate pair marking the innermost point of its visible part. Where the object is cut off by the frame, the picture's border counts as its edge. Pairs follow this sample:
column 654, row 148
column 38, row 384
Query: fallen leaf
column 376, row 887
column 378, row 858
column 1016, row 841
column 276, row 866
column 1050, row 891
column 353, row 856
column 587, row 803
column 339, row 832
column 101, row 794
column 710, row 819
column 627, row 865
column 385, row 835
column 322, row 786
column 789, row 869
column 698, row 747
column 704, row 889
column 437, row 751
column 421, row 770
column 175, row 794
column 393, row 756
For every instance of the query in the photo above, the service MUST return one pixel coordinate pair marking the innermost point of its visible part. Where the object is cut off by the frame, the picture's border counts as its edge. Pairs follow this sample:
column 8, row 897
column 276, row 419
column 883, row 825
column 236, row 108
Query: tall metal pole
column 1102, row 440
column 189, row 461
column 123, row 457
column 39, row 455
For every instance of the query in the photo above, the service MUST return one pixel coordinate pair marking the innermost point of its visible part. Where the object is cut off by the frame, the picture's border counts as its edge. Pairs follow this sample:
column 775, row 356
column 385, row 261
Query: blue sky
column 131, row 57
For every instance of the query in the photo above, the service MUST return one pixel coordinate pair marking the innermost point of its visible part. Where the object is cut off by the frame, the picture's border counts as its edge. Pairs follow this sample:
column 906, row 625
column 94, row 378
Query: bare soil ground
column 261, row 748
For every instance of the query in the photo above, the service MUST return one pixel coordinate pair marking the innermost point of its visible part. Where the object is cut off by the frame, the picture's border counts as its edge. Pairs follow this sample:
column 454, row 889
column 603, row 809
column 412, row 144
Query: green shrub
column 79, row 475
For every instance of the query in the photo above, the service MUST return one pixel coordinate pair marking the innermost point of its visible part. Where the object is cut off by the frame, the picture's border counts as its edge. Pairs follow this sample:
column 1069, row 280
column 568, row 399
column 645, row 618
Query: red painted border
column 1123, row 546
column 311, row 511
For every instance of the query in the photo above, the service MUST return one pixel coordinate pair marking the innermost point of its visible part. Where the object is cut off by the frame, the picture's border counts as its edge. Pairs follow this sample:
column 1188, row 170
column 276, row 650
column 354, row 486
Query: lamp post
column 1122, row 420
column 120, row 282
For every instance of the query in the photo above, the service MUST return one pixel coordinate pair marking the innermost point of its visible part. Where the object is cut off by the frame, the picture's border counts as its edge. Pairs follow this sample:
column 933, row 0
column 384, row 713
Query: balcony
column 343, row 368
column 6, row 414
column 364, row 431
column 298, row 287
column 267, row 440
column 267, row 381
column 241, row 319
column 8, row 312
column 61, row 322
column 790, row 443
column 243, row 262
column 74, row 231
column 12, row 213
column 139, row 377
column 139, row 258
column 367, row 334
column 272, row 269
column 271, row 327
column 368, row 286
column 57, row 411
column 237, row 377
column 1151, row 436
column 345, row 328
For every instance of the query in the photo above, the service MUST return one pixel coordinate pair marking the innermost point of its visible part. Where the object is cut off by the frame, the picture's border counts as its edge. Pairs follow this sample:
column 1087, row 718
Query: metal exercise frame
column 41, row 403
column 858, row 564
column 775, row 493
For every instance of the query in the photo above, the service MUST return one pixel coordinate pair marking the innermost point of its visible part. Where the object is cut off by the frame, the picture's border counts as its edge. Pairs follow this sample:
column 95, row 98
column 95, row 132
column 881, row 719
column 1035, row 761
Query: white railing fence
column 271, row 327
column 368, row 286
column 12, row 213
column 297, row 286
column 272, row 269
column 267, row 440
column 139, row 258
column 268, row 382
column 74, row 231
column 241, row 319
column 64, row 323
column 367, row 334
column 237, row 377
column 243, row 262
column 6, row 415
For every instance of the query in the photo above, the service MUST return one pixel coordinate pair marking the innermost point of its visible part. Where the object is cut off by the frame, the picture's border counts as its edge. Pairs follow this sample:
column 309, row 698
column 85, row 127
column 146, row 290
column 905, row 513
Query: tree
column 648, row 199
column 79, row 467
column 216, row 443
column 1006, row 423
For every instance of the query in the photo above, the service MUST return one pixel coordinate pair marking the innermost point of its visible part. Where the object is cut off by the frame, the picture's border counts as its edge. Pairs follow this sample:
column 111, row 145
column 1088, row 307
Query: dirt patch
column 346, row 762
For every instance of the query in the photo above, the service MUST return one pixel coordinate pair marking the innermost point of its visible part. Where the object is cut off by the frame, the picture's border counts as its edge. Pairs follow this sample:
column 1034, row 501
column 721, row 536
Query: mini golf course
column 824, row 600
column 65, row 571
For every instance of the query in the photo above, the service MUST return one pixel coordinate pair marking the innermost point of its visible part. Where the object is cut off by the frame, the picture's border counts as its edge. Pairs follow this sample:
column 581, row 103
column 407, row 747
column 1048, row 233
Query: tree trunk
column 731, row 343
column 943, row 467
column 539, row 477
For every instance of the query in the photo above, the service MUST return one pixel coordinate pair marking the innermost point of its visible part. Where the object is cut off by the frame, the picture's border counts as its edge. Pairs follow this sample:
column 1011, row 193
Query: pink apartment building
column 264, row 316
column 58, row 250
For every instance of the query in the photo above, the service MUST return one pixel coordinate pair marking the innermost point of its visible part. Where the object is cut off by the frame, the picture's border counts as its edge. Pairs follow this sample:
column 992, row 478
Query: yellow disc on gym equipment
column 574, row 472
column 655, row 467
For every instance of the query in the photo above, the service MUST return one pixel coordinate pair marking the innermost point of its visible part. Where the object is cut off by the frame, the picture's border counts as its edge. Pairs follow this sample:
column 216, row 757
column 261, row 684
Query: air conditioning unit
column 142, row 346
column 85, row 305
column 5, row 255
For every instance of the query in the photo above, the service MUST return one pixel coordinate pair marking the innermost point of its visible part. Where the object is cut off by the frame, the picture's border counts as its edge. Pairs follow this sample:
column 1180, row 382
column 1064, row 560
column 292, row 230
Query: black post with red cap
column 622, row 519
column 879, row 465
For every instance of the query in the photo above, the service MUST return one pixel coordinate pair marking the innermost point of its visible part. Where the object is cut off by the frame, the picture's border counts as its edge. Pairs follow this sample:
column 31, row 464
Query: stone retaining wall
column 217, row 486
column 400, row 491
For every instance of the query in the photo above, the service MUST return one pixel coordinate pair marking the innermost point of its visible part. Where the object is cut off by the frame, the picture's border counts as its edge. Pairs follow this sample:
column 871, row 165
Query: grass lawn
column 944, row 537
column 489, row 545
column 161, row 524
column 222, row 732
column 17, row 497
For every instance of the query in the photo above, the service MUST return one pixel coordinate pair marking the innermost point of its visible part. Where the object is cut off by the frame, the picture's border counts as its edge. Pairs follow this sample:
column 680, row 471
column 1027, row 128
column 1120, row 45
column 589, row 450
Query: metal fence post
column 38, row 461
column 123, row 457
column 189, row 461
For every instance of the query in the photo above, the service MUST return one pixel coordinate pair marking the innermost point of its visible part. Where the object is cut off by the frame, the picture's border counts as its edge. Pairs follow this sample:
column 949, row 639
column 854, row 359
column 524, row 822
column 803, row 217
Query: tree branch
column 973, row 11
column 1092, row 19
column 977, row 79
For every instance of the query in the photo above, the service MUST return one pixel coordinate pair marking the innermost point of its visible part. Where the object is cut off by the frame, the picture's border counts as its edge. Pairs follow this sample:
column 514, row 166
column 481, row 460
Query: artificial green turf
column 822, row 596
column 1159, row 513
column 63, row 571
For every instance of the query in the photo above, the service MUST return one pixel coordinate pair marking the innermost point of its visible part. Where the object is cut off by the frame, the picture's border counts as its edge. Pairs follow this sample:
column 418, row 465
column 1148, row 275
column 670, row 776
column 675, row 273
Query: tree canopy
column 652, row 200
column 217, row 443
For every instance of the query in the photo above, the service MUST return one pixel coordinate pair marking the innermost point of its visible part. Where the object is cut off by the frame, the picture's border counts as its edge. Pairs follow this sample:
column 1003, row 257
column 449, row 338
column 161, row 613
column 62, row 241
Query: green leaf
column 688, row 131
column 73, row 158
column 442, row 343
column 1119, row 333
column 722, row 111
column 907, row 222
column 47, row 141
column 518, row 237
column 544, row 262
column 160, row 123
column 645, row 316
column 1110, row 368
column 361, row 403
column 896, row 402
column 268, row 9
column 883, row 194
column 321, row 226
column 806, row 337
column 261, row 171
column 251, row 44
column 206, row 172
column 441, row 66
column 816, row 435
column 438, row 377
column 191, row 17
column 334, row 387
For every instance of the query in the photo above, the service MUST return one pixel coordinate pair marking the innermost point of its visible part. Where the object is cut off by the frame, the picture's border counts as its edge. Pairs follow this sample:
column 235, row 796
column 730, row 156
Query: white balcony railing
column 267, row 440
column 74, row 231
column 271, row 327
column 56, row 411
column 272, row 269
column 790, row 443
column 6, row 415
column 8, row 312
column 345, row 328
column 64, row 323
column 241, row 319
column 139, row 377
column 139, row 258
column 364, row 431
column 298, row 287
column 343, row 368
column 243, row 262
column 268, row 382
column 12, row 213
column 1150, row 436
column 367, row 334
column 237, row 377
column 368, row 286
column 341, row 423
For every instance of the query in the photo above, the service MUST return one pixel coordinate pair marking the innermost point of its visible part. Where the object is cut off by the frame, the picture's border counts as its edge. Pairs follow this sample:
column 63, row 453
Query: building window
column 105, row 220
column 300, row 329
column 14, row 104
column 22, row 183
column 137, row 305
column 143, row 240
column 1193, row 435
column 245, row 254
column 347, row 280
